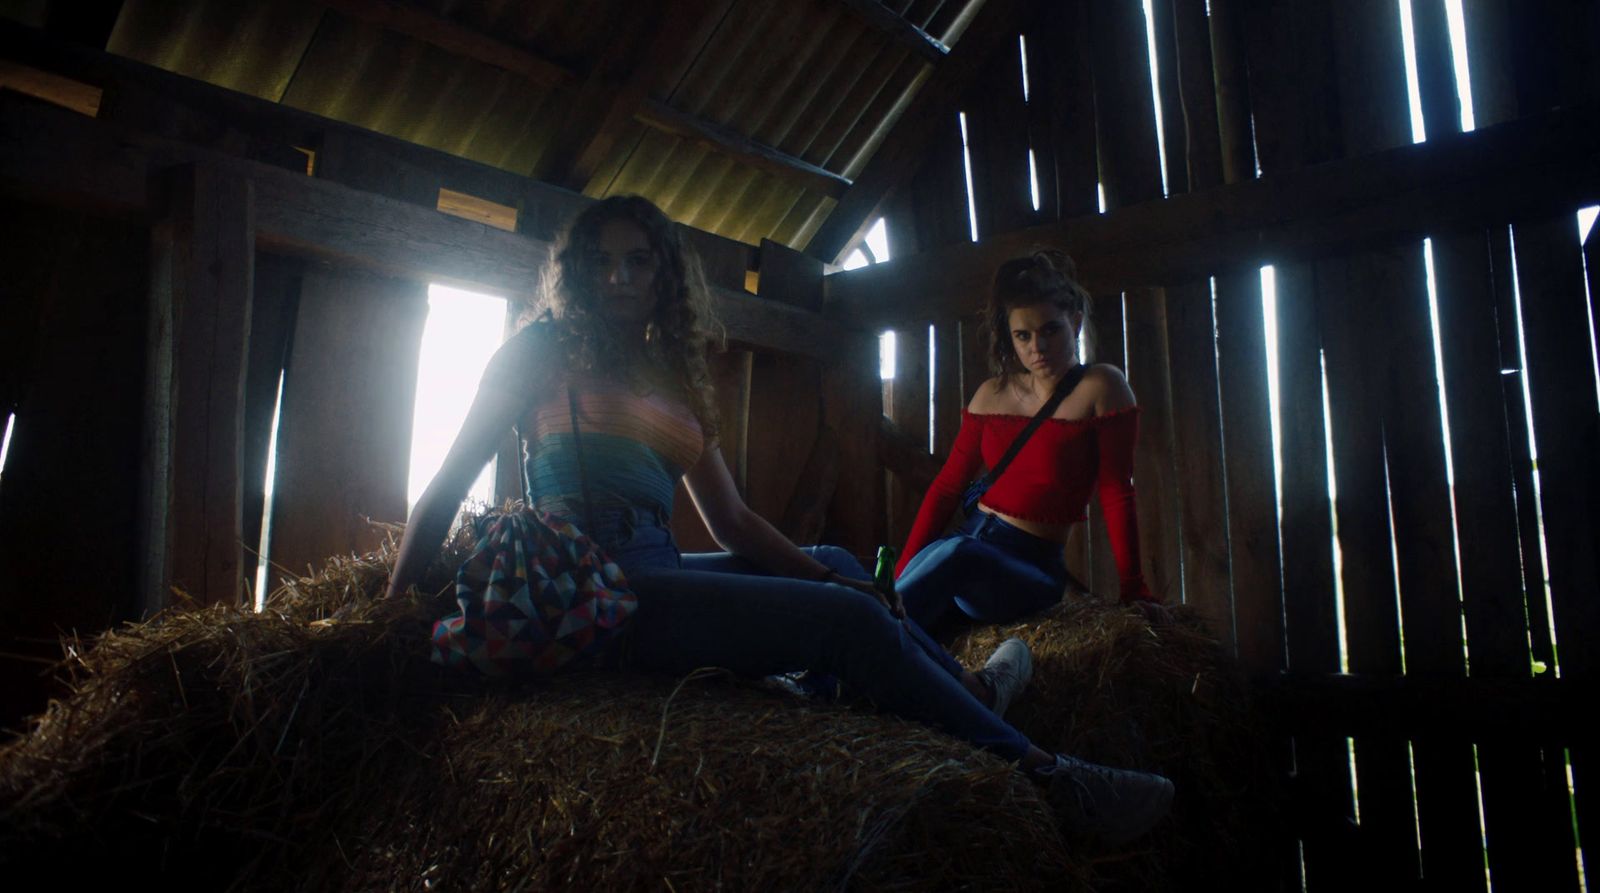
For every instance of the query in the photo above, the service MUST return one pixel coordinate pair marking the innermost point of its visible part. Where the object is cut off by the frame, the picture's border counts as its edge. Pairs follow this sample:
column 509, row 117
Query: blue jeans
column 987, row 571
column 718, row 610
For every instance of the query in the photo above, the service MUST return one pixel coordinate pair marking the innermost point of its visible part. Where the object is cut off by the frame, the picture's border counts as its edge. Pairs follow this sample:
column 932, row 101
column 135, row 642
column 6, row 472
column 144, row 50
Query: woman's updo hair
column 1047, row 276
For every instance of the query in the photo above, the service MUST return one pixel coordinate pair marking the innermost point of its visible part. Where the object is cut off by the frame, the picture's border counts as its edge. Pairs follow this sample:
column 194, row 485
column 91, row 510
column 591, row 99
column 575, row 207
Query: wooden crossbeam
column 667, row 119
column 995, row 25
column 58, row 157
column 1544, row 164
column 1539, row 710
column 899, row 30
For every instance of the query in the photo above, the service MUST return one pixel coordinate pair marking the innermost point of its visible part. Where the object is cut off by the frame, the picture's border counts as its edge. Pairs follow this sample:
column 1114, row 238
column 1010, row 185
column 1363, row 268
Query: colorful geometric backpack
column 536, row 594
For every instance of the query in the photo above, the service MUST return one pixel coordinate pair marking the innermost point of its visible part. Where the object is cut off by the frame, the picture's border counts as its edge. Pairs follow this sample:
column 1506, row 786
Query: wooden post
column 206, row 247
column 908, row 409
column 948, row 399
column 1197, row 446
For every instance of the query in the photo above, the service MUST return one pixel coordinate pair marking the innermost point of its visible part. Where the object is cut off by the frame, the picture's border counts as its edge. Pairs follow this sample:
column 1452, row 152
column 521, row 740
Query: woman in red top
column 1005, row 560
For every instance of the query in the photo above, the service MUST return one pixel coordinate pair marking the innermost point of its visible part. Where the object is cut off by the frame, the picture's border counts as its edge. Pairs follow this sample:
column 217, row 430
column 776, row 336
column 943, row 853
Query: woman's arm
column 746, row 534
column 1117, row 435
column 503, row 396
column 943, row 495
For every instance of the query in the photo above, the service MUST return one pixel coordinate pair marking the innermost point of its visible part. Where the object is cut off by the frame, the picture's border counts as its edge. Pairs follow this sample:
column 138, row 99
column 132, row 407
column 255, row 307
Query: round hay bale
column 1111, row 687
column 312, row 746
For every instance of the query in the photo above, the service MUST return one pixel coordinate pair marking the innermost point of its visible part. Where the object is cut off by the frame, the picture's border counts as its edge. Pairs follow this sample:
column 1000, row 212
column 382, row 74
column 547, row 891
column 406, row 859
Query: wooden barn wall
column 145, row 349
column 1395, row 583
column 73, row 304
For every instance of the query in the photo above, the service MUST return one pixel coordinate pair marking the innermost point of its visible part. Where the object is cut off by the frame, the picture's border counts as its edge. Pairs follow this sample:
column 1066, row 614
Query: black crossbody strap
column 1063, row 388
column 583, row 472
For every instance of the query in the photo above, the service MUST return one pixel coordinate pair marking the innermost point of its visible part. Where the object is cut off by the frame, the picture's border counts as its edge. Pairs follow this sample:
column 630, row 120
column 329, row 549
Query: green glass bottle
column 883, row 575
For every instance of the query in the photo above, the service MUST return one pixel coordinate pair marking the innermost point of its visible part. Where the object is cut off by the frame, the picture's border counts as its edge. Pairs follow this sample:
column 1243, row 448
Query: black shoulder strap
column 583, row 472
column 1063, row 388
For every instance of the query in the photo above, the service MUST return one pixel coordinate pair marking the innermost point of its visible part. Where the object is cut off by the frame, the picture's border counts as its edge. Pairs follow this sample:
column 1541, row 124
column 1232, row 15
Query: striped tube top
column 635, row 447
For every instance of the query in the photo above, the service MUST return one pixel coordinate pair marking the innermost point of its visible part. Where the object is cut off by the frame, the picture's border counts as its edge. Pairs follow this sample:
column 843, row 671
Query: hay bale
column 1109, row 686
column 311, row 746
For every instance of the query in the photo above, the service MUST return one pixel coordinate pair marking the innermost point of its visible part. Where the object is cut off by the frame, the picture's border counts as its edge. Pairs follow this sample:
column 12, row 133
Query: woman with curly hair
column 1005, row 560
column 620, row 363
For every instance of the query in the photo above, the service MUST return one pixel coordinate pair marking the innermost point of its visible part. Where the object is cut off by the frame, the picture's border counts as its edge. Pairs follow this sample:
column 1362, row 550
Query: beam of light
column 5, row 441
column 1458, row 55
column 264, row 548
column 1419, row 132
column 1155, row 91
column 966, row 163
column 886, row 355
column 462, row 331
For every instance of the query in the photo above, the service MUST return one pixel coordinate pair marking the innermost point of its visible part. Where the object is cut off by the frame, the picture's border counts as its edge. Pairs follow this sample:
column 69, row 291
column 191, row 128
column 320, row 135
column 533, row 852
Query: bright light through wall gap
column 264, row 548
column 966, row 163
column 1155, row 90
column 462, row 331
column 1458, row 54
column 1533, row 451
column 5, row 441
column 1022, row 49
column 1033, row 179
column 1419, row 131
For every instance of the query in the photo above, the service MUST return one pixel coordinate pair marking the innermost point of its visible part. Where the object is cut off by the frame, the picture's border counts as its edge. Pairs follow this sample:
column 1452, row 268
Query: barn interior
column 1340, row 249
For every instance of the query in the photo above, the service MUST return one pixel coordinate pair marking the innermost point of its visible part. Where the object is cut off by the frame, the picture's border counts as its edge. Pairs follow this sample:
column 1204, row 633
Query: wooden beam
column 58, row 157
column 205, row 251
column 1547, row 163
column 1543, row 710
column 419, row 24
column 995, row 25
column 658, row 115
column 899, row 30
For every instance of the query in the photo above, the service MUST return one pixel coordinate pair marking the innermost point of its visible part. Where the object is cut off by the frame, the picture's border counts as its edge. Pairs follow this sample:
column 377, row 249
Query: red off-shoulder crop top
column 1048, row 481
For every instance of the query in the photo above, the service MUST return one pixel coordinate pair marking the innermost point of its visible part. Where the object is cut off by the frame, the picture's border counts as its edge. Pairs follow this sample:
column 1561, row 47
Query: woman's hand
column 891, row 601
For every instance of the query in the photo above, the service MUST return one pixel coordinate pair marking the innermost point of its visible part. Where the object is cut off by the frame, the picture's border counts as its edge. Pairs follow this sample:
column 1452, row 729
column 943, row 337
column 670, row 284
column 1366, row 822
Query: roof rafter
column 930, row 48
column 667, row 119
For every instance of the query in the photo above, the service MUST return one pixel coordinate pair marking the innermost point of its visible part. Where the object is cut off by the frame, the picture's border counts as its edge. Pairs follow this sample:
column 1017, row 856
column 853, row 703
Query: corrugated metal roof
column 807, row 77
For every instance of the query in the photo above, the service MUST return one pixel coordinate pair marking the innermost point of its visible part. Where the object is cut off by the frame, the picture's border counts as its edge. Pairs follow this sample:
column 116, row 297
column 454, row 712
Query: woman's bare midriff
column 1056, row 532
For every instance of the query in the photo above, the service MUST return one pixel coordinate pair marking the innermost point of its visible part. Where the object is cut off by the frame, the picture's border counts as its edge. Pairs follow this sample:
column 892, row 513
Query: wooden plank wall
column 1407, row 541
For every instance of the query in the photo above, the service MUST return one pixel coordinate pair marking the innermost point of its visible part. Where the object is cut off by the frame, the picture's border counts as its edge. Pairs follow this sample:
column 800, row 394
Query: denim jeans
column 701, row 610
column 987, row 571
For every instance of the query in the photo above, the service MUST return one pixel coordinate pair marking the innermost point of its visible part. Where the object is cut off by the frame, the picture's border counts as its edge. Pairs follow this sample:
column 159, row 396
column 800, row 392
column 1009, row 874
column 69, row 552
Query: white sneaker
column 1113, row 806
column 1006, row 673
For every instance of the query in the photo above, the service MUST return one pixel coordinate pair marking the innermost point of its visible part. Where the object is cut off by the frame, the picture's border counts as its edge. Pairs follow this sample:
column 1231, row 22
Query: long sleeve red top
column 1048, row 481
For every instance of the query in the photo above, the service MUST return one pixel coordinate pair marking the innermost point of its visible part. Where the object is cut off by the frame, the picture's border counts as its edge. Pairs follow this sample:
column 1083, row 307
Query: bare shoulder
column 990, row 398
column 529, row 354
column 1109, row 388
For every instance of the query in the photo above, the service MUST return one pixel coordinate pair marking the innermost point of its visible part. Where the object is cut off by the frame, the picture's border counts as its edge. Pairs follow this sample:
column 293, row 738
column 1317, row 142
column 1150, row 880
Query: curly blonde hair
column 683, row 328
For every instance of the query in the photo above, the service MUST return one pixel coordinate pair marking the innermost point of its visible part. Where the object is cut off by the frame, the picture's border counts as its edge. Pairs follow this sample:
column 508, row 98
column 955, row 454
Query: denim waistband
column 635, row 537
column 999, row 532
